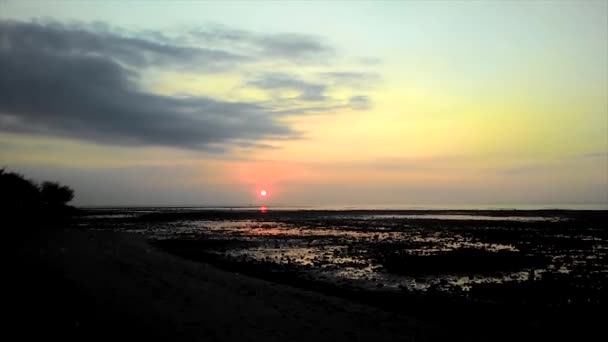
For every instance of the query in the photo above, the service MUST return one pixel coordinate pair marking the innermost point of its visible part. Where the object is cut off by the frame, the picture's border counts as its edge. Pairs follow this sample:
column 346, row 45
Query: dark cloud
column 308, row 91
column 57, row 38
column 65, row 85
column 83, row 81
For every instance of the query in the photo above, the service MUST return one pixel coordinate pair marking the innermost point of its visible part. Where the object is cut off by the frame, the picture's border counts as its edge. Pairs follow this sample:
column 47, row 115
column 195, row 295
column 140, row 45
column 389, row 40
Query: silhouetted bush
column 23, row 202
column 54, row 194
column 18, row 193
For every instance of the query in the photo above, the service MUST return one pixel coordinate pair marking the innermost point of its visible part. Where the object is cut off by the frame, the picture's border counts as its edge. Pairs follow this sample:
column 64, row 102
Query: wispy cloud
column 593, row 155
column 293, row 47
column 308, row 91
column 357, row 80
column 312, row 96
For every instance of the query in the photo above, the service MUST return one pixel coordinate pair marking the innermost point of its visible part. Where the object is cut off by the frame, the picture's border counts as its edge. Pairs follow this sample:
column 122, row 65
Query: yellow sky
column 495, row 98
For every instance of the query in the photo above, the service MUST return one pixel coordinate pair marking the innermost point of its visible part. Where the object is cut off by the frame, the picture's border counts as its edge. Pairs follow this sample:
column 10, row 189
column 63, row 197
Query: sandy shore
column 98, row 284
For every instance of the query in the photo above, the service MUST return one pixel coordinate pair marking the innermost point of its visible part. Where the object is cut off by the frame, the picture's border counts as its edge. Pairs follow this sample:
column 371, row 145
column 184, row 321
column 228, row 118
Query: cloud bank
column 82, row 82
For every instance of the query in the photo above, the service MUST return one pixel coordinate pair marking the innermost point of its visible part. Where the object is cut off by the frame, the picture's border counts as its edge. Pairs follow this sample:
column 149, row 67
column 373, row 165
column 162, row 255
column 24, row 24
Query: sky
column 319, row 103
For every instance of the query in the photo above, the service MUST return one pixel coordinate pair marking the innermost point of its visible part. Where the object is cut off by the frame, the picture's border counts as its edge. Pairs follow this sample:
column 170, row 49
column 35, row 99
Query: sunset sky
column 320, row 103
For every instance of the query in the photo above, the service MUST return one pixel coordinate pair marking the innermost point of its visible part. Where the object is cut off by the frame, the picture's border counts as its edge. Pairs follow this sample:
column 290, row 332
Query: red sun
column 263, row 193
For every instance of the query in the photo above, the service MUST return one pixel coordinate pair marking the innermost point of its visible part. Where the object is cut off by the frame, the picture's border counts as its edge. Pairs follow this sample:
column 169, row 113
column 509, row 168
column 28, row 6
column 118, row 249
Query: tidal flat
column 530, row 267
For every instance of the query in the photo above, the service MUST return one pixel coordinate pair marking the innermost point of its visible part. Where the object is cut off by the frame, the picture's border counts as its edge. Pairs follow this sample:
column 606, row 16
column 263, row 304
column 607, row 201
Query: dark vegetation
column 25, row 202
column 38, row 302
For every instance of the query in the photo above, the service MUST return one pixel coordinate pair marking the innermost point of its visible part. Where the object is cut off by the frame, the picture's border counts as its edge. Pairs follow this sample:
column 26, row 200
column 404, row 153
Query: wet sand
column 94, row 285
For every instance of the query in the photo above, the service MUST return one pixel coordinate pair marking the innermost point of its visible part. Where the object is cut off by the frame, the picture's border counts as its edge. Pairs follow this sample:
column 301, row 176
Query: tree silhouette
column 18, row 193
column 54, row 194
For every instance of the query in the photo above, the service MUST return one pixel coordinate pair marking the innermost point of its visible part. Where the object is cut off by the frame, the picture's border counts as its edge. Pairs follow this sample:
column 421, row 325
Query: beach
column 93, row 285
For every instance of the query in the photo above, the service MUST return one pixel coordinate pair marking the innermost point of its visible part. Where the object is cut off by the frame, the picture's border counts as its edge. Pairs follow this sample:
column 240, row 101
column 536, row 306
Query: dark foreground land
column 93, row 285
column 311, row 275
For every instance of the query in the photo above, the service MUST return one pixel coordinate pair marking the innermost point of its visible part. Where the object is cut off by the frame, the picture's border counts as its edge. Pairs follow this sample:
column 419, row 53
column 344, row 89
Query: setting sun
column 263, row 193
